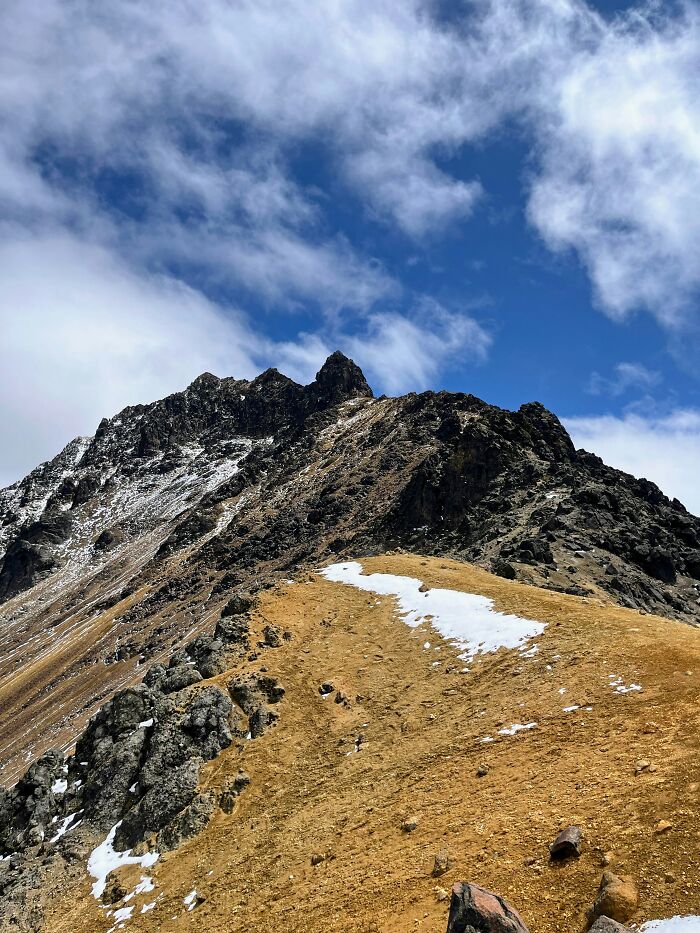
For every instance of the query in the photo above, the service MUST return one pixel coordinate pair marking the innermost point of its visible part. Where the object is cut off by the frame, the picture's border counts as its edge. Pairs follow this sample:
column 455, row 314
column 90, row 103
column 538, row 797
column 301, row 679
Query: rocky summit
column 189, row 709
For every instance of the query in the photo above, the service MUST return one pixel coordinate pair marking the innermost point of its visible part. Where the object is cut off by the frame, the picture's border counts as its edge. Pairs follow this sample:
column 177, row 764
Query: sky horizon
column 491, row 196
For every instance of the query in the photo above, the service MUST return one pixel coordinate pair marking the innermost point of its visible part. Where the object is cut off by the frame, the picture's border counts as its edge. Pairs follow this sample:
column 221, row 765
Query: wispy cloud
column 619, row 174
column 626, row 377
column 405, row 353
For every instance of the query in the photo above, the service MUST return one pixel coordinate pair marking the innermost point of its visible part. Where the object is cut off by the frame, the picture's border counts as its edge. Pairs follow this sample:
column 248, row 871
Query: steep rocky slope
column 133, row 569
column 355, row 808
column 130, row 542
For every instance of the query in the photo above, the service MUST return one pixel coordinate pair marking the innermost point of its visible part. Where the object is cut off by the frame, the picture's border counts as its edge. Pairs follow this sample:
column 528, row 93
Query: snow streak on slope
column 467, row 620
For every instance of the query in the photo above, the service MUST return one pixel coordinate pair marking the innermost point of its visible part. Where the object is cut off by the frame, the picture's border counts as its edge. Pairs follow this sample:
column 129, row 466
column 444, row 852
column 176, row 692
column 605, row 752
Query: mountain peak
column 340, row 378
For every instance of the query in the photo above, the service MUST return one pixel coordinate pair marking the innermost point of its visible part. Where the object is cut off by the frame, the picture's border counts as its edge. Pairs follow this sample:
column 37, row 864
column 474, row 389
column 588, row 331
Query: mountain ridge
column 134, row 565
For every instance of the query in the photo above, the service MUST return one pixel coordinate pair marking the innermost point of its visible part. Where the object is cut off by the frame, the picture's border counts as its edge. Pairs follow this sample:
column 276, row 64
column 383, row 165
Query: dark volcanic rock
column 241, row 466
column 476, row 910
column 254, row 693
column 31, row 555
column 606, row 925
column 177, row 513
column 27, row 810
column 567, row 844
column 339, row 379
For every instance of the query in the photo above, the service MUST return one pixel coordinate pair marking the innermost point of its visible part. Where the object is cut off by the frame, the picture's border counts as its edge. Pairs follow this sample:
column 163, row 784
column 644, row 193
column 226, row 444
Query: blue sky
column 497, row 196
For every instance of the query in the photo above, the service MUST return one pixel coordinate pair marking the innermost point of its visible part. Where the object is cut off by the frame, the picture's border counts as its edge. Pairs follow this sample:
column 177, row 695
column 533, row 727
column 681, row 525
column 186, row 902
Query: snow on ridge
column 467, row 620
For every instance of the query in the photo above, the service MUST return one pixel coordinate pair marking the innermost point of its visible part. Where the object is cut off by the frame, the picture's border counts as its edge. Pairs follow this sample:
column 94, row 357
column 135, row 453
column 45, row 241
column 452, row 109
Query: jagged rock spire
column 340, row 378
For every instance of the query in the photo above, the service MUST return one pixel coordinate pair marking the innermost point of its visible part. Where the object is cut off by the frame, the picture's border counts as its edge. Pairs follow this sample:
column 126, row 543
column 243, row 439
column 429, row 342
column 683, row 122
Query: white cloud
column 83, row 336
column 665, row 449
column 619, row 180
column 403, row 353
column 626, row 376
column 610, row 107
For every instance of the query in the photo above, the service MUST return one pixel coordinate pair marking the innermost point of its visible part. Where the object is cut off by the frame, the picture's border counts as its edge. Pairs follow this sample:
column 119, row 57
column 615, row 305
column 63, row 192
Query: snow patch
column 689, row 924
column 144, row 886
column 104, row 859
column 66, row 825
column 517, row 727
column 467, row 620
column 618, row 685
column 190, row 901
column 59, row 786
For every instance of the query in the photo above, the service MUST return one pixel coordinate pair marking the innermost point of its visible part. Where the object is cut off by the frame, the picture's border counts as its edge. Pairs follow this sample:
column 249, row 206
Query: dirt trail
column 421, row 729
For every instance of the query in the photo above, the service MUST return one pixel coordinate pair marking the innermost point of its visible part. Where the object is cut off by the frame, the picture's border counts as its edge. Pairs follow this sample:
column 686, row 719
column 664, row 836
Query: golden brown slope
column 422, row 729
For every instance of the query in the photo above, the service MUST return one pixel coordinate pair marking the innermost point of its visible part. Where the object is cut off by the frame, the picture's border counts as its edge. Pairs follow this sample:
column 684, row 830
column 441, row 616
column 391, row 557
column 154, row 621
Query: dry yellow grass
column 422, row 729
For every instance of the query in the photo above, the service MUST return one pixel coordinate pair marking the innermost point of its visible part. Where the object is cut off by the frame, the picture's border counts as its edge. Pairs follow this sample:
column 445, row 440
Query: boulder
column 476, row 910
column 617, row 898
column 240, row 604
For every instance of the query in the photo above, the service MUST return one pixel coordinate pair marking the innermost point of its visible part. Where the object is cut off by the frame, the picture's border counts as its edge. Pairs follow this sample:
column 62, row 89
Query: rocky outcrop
column 135, row 771
column 254, row 694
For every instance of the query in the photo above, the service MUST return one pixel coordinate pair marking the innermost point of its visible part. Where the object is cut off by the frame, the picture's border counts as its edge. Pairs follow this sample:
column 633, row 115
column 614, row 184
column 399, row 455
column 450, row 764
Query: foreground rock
column 475, row 910
column 566, row 845
column 617, row 897
column 606, row 925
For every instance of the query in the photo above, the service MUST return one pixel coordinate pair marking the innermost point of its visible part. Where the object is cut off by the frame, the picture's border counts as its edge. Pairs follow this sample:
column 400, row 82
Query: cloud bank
column 153, row 185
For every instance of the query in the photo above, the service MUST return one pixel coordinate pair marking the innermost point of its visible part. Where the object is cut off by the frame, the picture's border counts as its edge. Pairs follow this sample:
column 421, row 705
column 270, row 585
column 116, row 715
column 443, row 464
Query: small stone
column 482, row 770
column 441, row 894
column 340, row 697
column 530, row 860
column 607, row 859
column 423, row 588
column 441, row 863
column 669, row 877
column 272, row 637
column 409, row 824
column 317, row 858
column 641, row 766
column 567, row 844
column 326, row 688
column 663, row 826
